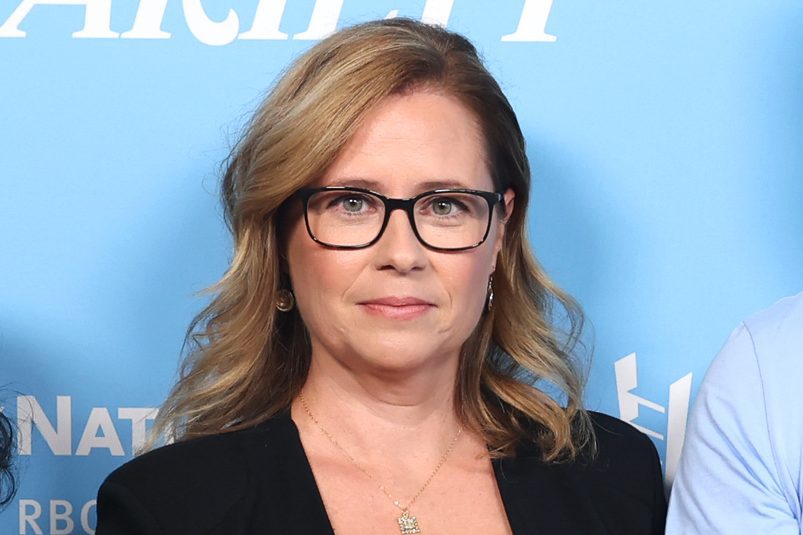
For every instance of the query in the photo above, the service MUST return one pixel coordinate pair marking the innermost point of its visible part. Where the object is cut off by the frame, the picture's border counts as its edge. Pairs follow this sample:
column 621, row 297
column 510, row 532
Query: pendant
column 408, row 523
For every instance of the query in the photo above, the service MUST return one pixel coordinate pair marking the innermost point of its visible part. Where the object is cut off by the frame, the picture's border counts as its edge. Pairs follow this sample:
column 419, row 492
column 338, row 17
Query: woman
column 367, row 363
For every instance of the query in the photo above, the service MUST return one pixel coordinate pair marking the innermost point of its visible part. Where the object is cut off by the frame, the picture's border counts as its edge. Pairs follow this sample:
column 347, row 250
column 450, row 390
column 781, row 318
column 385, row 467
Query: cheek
column 320, row 276
column 468, row 282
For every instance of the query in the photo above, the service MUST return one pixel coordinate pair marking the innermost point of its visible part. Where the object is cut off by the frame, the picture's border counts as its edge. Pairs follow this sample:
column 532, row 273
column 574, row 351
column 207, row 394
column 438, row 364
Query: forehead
column 414, row 142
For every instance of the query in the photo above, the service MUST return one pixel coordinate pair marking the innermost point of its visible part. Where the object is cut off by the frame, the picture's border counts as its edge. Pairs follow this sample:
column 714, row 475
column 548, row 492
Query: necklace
column 407, row 522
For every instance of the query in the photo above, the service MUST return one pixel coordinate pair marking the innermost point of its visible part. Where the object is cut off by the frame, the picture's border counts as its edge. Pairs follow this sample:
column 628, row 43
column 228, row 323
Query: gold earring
column 489, row 300
column 285, row 300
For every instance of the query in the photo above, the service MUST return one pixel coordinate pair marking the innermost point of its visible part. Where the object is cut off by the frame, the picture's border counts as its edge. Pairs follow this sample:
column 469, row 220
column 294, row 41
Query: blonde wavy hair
column 246, row 361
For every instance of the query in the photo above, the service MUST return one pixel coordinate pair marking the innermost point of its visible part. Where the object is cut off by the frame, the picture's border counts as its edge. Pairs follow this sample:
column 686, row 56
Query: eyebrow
column 375, row 185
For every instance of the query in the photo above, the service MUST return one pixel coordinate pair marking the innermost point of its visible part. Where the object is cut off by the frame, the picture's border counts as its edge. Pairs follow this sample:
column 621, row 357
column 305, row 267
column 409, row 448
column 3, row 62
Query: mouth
column 401, row 308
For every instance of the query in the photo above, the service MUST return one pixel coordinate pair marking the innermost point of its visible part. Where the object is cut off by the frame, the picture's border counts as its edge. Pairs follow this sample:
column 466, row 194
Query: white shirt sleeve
column 728, row 477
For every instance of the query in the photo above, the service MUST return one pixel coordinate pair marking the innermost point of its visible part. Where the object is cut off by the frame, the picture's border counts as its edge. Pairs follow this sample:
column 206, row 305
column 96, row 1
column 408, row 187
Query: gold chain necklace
column 407, row 522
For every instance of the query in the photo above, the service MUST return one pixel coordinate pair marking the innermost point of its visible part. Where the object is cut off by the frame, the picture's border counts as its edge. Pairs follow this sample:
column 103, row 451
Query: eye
column 447, row 206
column 442, row 206
column 352, row 203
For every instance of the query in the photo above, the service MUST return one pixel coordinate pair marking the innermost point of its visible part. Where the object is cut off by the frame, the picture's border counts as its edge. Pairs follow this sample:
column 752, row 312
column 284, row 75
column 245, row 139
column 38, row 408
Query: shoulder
column 777, row 332
column 624, row 478
column 618, row 454
column 785, row 316
column 197, row 481
column 758, row 362
column 767, row 338
column 624, row 457
column 621, row 462
column 615, row 487
column 187, row 462
column 614, row 436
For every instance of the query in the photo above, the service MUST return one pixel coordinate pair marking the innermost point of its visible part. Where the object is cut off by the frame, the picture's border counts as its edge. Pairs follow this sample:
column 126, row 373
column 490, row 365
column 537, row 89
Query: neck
column 408, row 412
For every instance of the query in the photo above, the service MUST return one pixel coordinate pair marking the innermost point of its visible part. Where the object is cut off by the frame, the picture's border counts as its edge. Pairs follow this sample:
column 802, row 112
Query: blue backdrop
column 665, row 140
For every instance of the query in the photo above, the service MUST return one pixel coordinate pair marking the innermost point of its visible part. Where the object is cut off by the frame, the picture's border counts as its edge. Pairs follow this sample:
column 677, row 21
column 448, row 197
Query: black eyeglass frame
column 407, row 205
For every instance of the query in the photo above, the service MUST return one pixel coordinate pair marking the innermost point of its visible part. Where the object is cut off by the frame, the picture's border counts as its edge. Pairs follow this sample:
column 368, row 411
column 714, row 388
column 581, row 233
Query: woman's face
column 398, row 305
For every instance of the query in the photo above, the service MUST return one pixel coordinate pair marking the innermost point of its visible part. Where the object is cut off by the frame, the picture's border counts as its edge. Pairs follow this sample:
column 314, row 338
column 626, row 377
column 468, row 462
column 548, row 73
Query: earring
column 285, row 300
column 489, row 300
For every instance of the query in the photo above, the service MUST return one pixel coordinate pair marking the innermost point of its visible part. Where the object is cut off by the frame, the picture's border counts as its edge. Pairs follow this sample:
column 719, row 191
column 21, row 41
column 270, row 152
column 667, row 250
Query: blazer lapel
column 302, row 511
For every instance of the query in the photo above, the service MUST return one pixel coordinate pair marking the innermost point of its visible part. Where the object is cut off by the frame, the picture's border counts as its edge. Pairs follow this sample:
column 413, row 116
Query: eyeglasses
column 354, row 218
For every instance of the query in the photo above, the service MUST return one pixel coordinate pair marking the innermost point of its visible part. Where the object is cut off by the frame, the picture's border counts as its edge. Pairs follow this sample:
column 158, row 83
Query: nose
column 399, row 248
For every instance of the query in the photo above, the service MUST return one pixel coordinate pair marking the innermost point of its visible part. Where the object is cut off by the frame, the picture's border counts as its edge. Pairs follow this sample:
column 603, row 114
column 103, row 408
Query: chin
column 399, row 353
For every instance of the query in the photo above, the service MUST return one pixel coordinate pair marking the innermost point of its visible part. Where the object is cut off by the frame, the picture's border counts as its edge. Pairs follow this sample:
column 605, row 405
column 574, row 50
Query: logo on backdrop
column 265, row 21
column 100, row 431
column 676, row 411
column 62, row 517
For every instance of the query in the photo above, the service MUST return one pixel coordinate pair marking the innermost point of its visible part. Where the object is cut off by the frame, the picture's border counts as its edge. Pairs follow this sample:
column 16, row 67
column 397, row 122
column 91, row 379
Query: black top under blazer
column 259, row 481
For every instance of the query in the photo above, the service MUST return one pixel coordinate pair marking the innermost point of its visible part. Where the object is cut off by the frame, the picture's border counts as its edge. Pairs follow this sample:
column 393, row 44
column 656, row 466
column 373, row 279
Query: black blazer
column 259, row 481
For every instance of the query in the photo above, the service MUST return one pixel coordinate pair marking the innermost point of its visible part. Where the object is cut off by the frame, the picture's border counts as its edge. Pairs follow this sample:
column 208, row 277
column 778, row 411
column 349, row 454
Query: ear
column 509, row 201
column 509, row 197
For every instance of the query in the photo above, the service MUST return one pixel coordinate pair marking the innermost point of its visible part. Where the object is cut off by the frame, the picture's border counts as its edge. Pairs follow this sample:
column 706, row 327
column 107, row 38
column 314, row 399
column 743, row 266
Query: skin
column 382, row 377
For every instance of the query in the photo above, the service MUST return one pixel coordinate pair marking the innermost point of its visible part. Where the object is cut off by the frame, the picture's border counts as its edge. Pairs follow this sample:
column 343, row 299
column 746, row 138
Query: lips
column 394, row 307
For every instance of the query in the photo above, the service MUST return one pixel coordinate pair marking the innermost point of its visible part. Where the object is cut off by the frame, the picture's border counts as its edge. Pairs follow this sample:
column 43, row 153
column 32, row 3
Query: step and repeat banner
column 665, row 138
